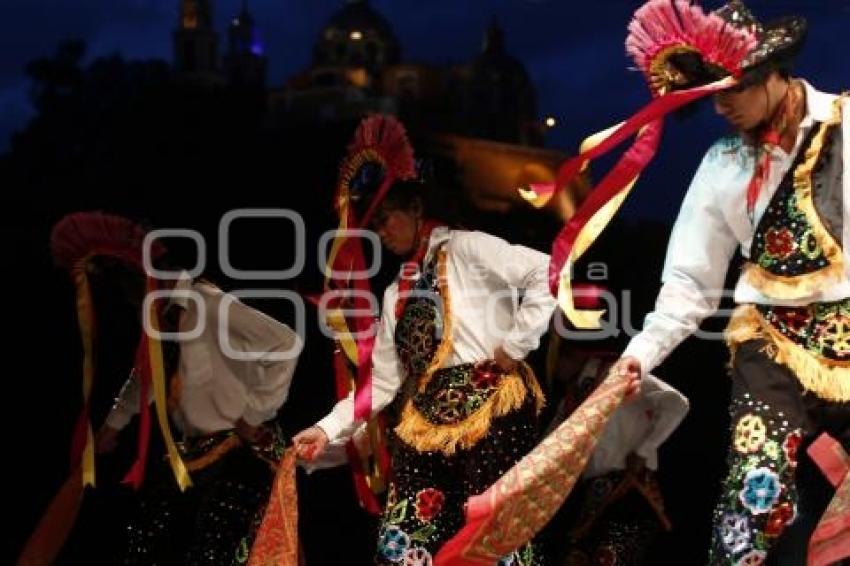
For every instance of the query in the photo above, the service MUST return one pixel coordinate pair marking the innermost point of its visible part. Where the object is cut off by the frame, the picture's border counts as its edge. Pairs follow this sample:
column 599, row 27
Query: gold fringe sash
column 826, row 378
column 425, row 436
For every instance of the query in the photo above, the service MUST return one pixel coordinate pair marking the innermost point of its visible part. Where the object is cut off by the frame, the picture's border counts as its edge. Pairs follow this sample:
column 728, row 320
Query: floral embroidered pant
column 425, row 504
column 773, row 494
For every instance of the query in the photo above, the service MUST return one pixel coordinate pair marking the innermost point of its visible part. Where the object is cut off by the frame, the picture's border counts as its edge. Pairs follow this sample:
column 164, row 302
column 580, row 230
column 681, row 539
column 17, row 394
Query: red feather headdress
column 379, row 155
column 74, row 241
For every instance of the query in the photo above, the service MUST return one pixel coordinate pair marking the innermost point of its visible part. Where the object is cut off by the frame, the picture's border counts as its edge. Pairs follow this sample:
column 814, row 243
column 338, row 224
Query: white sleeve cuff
column 645, row 351
column 331, row 425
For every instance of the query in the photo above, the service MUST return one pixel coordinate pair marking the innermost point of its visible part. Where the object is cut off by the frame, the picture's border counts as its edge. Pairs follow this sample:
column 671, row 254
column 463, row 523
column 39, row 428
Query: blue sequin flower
column 761, row 490
column 393, row 544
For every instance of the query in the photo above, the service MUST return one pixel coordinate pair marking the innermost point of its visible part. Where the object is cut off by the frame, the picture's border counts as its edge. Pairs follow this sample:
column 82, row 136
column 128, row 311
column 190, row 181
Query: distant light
column 257, row 48
column 550, row 122
column 356, row 35
column 235, row 21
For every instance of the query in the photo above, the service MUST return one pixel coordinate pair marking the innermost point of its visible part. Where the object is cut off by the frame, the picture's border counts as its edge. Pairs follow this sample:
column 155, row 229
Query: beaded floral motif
column 417, row 556
column 415, row 512
column 393, row 543
column 420, row 328
column 454, row 393
column 822, row 328
column 758, row 498
column 796, row 248
column 761, row 490
column 429, row 502
column 786, row 242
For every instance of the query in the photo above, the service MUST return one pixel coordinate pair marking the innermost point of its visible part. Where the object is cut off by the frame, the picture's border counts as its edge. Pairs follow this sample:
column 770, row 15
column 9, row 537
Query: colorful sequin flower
column 393, row 544
column 486, row 376
column 771, row 449
column 735, row 532
column 779, row 517
column 779, row 242
column 790, row 446
column 752, row 558
column 417, row 556
column 832, row 336
column 428, row 504
column 761, row 490
column 793, row 320
column 750, row 434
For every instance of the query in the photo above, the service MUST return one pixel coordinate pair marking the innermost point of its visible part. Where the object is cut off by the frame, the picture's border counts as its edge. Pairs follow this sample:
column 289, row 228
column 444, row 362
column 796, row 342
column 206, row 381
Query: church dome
column 357, row 36
column 494, row 59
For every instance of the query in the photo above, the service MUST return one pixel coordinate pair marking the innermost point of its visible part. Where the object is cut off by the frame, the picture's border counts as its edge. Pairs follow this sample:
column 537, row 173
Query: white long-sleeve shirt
column 484, row 274
column 712, row 222
column 236, row 368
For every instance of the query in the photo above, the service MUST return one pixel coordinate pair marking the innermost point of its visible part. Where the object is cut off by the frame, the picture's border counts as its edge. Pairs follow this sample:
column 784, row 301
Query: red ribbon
column 136, row 475
column 633, row 162
column 351, row 258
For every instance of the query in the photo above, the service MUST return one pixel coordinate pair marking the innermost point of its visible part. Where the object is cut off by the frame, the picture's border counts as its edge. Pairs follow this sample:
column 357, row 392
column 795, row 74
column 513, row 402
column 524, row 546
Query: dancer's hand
column 629, row 367
column 504, row 361
column 310, row 443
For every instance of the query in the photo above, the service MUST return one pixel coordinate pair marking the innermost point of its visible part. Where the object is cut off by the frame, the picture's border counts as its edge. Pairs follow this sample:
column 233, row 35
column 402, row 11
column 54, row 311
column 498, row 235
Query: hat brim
column 778, row 39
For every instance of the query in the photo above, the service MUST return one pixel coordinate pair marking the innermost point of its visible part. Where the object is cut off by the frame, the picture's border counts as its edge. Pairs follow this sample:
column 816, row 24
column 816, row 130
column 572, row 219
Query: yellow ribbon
column 85, row 318
column 376, row 479
column 336, row 321
column 589, row 319
column 181, row 474
column 536, row 197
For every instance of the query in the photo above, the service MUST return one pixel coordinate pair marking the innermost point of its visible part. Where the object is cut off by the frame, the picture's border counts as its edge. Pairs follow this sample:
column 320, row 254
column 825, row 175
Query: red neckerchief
column 411, row 268
column 774, row 133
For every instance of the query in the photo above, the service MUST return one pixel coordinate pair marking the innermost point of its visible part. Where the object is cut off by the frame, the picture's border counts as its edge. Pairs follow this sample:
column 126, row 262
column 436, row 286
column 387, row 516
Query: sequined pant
column 211, row 523
column 773, row 494
column 425, row 504
column 611, row 532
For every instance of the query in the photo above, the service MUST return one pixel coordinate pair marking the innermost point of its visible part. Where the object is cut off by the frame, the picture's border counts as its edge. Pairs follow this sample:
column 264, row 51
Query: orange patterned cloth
column 830, row 542
column 522, row 501
column 276, row 543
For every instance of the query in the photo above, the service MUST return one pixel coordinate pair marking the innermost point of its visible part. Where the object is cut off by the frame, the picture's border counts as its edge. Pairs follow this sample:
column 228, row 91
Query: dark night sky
column 572, row 50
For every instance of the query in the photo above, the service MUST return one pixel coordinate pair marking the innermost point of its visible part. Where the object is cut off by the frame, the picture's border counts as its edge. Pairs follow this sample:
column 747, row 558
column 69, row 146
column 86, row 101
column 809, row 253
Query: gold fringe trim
column 792, row 288
column 534, row 386
column 801, row 286
column 425, row 436
column 215, row 454
column 828, row 379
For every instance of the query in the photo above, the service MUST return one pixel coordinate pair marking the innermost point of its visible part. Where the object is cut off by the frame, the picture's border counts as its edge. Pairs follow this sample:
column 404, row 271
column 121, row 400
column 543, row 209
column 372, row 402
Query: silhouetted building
column 494, row 96
column 480, row 115
column 196, row 42
column 245, row 62
column 358, row 68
